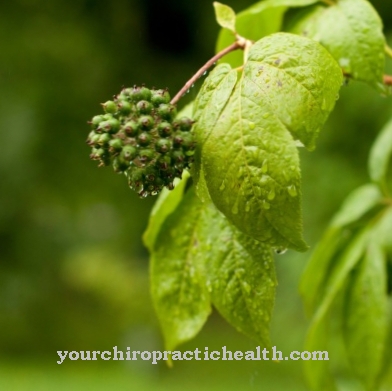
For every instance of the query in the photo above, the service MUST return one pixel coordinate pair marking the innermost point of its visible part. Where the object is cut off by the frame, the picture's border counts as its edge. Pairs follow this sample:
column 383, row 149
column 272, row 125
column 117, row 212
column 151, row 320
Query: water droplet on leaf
column 266, row 205
column 292, row 190
column 271, row 194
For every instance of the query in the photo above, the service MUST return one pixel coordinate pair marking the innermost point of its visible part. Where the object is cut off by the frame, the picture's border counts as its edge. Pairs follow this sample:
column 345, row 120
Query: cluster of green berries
column 141, row 137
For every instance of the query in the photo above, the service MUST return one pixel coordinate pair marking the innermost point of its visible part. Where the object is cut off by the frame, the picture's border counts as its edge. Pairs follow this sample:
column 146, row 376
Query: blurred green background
column 73, row 269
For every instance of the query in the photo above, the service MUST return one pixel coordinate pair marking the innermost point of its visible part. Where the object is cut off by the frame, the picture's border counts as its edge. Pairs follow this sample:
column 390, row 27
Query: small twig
column 236, row 45
column 388, row 50
column 387, row 79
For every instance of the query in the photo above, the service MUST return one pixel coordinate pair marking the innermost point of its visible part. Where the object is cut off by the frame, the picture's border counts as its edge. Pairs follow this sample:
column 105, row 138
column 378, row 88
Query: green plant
column 212, row 237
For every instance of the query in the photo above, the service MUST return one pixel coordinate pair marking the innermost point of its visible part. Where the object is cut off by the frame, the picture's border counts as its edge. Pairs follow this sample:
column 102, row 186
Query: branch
column 388, row 50
column 387, row 79
column 236, row 45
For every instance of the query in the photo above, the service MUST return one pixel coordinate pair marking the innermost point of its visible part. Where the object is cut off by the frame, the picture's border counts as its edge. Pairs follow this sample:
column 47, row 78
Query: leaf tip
column 225, row 16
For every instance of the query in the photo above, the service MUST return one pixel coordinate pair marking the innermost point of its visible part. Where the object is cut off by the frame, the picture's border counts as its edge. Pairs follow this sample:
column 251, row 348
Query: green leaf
column 380, row 156
column 317, row 372
column 265, row 4
column 344, row 265
column 250, row 159
column 212, row 98
column 243, row 281
column 186, row 111
column 259, row 20
column 298, row 80
column 316, row 272
column 383, row 229
column 366, row 315
column 358, row 204
column 351, row 30
column 253, row 26
column 225, row 16
column 166, row 203
column 178, row 279
column 199, row 255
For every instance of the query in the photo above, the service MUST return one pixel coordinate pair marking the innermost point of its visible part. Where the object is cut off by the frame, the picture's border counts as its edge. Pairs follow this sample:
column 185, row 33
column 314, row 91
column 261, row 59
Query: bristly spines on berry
column 139, row 135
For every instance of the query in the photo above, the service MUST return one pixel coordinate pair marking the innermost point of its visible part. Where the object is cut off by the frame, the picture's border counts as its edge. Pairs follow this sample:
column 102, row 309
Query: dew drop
column 280, row 250
column 234, row 209
column 271, row 194
column 292, row 190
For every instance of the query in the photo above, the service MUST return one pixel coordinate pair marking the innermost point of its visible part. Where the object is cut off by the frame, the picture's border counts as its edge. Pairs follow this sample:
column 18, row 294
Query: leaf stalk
column 238, row 44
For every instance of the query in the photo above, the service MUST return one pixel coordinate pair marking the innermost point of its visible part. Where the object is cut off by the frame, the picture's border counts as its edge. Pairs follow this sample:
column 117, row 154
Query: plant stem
column 387, row 79
column 388, row 50
column 236, row 45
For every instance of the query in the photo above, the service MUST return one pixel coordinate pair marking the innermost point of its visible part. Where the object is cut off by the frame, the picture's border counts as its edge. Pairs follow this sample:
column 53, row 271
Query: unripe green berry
column 111, row 126
column 128, row 153
column 185, row 124
column 109, row 107
column 144, row 138
column 92, row 138
column 139, row 93
column 144, row 107
column 167, row 111
column 116, row 145
column 163, row 145
column 103, row 139
column 164, row 162
column 124, row 107
column 177, row 140
column 160, row 96
column 146, row 155
column 98, row 153
column 120, row 164
column 188, row 142
column 131, row 128
column 137, row 134
column 96, row 121
column 146, row 122
column 151, row 175
column 178, row 156
column 135, row 179
column 165, row 129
